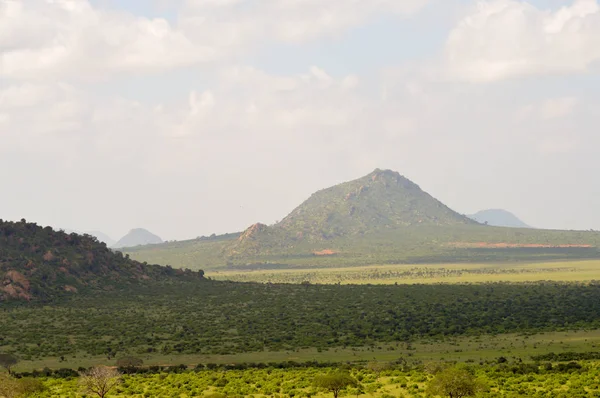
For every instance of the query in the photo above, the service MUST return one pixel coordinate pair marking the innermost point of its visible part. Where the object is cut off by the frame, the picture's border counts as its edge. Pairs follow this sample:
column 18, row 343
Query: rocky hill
column 498, row 218
column 381, row 201
column 38, row 263
column 138, row 237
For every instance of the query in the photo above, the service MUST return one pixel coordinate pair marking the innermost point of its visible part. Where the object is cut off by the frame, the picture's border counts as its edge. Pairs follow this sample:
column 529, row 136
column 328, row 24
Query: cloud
column 293, row 20
column 233, row 144
column 70, row 39
column 502, row 39
column 549, row 109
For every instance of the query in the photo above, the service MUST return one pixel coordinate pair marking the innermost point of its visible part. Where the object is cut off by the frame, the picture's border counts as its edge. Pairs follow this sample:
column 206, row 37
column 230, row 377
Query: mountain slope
column 498, row 218
column 39, row 263
column 137, row 237
column 102, row 237
column 382, row 199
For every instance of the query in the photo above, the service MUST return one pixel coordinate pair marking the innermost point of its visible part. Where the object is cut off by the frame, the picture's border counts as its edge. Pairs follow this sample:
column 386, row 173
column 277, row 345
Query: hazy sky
column 189, row 117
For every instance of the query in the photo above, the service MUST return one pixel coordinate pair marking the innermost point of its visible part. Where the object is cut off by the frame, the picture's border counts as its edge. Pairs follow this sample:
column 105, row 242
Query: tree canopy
column 335, row 382
column 7, row 361
column 454, row 383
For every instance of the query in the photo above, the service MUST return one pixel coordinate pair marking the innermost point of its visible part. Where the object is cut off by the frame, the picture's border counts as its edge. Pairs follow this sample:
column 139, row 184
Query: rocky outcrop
column 252, row 232
column 15, row 285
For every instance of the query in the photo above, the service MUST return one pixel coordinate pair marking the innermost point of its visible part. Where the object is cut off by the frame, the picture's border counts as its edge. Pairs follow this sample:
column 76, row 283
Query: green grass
column 415, row 245
column 479, row 348
column 567, row 271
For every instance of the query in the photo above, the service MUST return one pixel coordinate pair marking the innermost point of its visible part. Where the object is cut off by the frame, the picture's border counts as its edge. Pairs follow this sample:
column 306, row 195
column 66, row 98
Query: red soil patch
column 502, row 245
column 326, row 252
column 14, row 284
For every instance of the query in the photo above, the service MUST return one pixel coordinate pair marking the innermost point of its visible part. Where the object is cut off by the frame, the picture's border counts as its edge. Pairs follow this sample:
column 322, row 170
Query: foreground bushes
column 488, row 380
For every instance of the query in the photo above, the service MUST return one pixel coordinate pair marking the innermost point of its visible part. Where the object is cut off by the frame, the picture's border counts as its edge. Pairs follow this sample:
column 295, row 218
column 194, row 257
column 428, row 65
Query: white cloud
column 558, row 108
column 41, row 39
column 503, row 39
column 549, row 109
column 292, row 20
column 50, row 39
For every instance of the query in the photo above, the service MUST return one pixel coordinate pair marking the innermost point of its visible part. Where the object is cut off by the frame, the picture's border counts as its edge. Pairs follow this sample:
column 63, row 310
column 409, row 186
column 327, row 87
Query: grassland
column 415, row 245
column 460, row 349
column 566, row 271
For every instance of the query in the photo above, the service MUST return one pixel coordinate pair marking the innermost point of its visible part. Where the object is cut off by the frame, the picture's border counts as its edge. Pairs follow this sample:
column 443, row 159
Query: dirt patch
column 503, row 245
column 15, row 285
column 326, row 252
column 71, row 289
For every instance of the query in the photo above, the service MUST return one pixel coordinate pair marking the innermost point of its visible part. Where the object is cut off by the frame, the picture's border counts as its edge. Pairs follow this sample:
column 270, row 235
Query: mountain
column 498, row 218
column 381, row 218
column 137, row 237
column 38, row 263
column 383, row 200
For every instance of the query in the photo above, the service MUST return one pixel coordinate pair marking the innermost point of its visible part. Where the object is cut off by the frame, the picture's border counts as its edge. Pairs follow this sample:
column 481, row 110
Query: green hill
column 38, row 263
column 381, row 218
column 381, row 200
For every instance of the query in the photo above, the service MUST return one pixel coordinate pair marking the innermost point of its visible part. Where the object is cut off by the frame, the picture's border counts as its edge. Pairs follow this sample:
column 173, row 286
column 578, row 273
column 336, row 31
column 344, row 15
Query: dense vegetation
column 39, row 263
column 228, row 318
column 385, row 380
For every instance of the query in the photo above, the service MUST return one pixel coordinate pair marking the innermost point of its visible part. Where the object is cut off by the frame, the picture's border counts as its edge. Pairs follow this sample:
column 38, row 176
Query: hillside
column 138, row 237
column 38, row 263
column 380, row 201
column 102, row 237
column 498, row 218
column 381, row 218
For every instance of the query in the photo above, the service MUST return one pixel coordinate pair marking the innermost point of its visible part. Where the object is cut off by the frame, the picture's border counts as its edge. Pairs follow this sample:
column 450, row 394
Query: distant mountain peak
column 381, row 200
column 498, row 218
column 137, row 237
column 387, row 176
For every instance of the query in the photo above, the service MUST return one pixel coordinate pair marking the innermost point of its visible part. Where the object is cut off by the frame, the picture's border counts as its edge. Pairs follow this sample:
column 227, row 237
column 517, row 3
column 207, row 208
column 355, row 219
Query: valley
column 373, row 270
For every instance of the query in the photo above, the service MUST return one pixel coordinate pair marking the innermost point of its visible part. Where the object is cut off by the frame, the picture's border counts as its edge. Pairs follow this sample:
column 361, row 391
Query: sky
column 193, row 117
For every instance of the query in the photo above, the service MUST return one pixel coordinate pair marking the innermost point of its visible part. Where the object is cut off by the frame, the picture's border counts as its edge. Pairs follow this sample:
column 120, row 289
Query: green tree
column 7, row 361
column 28, row 386
column 335, row 382
column 454, row 383
column 377, row 367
